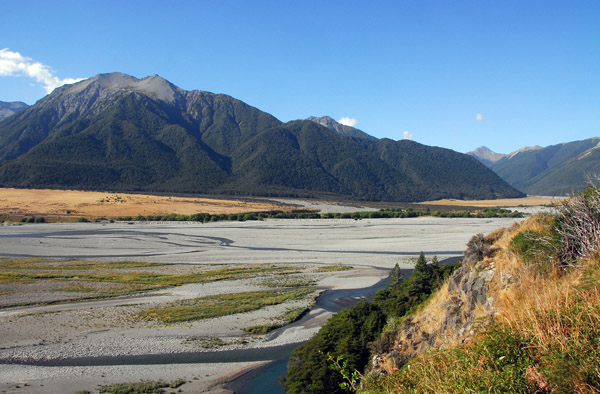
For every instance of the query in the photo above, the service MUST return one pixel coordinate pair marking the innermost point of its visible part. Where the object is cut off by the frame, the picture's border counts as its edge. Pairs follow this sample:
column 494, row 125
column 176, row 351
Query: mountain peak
column 154, row 85
column 349, row 131
column 486, row 155
column 9, row 108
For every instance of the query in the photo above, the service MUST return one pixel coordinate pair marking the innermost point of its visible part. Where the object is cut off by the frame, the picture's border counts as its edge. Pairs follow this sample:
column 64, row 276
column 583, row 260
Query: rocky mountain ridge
column 485, row 155
column 555, row 170
column 342, row 129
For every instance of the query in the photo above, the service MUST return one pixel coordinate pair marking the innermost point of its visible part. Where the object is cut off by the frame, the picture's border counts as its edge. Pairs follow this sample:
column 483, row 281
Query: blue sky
column 456, row 74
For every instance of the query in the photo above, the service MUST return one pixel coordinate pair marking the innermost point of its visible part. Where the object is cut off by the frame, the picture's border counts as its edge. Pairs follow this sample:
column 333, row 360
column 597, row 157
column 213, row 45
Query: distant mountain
column 340, row 128
column 9, row 108
column 485, row 155
column 117, row 132
column 554, row 170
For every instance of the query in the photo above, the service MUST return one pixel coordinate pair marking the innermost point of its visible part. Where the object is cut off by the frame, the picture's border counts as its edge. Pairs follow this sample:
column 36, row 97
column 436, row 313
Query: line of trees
column 382, row 213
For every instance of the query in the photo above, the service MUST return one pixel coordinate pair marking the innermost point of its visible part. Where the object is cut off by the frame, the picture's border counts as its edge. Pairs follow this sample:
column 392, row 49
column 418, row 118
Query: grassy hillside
column 522, row 315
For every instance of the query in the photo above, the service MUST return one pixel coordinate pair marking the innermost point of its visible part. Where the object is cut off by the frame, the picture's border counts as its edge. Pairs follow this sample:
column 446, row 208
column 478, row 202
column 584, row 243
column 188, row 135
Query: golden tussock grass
column 65, row 203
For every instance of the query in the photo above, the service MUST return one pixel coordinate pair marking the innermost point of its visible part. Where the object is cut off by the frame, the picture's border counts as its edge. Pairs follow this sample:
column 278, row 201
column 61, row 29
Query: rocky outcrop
column 339, row 128
column 464, row 304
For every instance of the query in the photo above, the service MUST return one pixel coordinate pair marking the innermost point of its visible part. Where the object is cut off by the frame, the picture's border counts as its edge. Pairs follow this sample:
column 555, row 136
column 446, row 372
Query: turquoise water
column 266, row 379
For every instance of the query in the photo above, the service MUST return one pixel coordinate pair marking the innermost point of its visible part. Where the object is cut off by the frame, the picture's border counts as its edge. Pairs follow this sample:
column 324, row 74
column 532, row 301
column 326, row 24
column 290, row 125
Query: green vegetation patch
column 309, row 214
column 496, row 363
column 288, row 281
column 221, row 305
column 535, row 246
column 19, row 270
column 331, row 268
column 289, row 316
column 93, row 279
column 140, row 387
column 353, row 333
column 207, row 342
column 38, row 263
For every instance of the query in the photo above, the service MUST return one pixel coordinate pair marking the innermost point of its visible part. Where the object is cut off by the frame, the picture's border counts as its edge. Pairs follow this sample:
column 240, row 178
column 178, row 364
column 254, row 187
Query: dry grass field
column 55, row 204
column 507, row 202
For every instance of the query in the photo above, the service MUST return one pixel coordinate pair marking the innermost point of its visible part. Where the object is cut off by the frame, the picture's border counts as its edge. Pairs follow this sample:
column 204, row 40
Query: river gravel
column 96, row 329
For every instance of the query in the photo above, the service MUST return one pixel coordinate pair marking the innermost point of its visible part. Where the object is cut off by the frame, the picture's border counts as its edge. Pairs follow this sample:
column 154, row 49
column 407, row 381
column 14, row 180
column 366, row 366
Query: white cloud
column 479, row 118
column 348, row 121
column 407, row 135
column 15, row 64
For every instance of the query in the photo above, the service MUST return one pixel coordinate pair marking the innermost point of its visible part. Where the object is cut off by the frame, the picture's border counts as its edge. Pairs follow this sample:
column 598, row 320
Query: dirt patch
column 17, row 203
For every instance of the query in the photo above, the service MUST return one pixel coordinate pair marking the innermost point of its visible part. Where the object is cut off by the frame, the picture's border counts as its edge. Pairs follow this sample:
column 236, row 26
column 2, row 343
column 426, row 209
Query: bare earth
column 65, row 203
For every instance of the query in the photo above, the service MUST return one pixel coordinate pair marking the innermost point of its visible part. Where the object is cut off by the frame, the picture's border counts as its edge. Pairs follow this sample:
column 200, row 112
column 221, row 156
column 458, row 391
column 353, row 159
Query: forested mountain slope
column 117, row 132
column 555, row 170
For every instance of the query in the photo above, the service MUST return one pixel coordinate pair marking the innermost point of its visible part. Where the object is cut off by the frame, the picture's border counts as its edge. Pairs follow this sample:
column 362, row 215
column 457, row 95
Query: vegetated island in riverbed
column 301, row 214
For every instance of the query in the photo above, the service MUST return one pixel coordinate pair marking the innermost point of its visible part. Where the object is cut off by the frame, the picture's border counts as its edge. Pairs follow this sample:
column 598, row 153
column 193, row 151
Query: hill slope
column 553, row 170
column 117, row 132
column 520, row 315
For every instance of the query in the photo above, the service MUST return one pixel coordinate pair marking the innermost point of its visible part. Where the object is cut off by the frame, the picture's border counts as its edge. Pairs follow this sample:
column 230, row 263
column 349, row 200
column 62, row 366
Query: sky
column 456, row 74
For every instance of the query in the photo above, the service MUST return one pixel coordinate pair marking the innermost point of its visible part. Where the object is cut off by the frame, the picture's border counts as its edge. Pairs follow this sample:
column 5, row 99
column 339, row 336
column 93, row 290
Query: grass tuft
column 141, row 387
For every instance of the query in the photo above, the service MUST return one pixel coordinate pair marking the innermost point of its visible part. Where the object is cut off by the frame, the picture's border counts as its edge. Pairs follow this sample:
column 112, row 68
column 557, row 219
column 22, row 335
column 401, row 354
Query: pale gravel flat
column 68, row 380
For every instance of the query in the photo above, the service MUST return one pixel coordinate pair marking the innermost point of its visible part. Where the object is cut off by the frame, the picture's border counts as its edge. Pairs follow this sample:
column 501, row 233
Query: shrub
column 477, row 249
column 579, row 226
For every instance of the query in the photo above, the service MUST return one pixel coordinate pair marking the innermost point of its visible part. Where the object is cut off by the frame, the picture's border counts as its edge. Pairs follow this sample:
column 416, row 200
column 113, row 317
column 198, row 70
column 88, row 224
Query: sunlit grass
column 289, row 316
column 93, row 279
column 221, row 305
column 331, row 268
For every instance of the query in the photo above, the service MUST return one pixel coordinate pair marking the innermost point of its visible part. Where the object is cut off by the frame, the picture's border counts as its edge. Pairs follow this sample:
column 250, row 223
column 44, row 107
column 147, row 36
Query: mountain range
column 555, row 170
column 10, row 108
column 116, row 132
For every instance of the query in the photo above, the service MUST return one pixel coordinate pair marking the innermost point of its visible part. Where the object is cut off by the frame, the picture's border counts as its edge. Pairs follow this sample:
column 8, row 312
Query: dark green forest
column 353, row 333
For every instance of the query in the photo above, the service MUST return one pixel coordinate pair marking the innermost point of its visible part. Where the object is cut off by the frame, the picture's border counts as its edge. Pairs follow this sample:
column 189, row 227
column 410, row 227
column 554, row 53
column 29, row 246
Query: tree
column 347, row 334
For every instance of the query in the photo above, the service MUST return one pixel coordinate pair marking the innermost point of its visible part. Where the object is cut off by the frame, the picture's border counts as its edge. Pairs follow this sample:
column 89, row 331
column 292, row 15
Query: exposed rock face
column 453, row 316
column 486, row 156
column 340, row 128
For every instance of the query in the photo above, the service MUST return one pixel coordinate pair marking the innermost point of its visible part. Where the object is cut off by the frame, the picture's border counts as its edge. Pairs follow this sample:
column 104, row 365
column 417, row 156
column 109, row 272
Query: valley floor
column 100, row 330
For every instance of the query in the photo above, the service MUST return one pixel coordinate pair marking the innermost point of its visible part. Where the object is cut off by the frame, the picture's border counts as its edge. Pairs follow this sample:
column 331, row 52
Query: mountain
column 9, row 108
column 554, row 170
column 340, row 128
column 486, row 156
column 117, row 132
